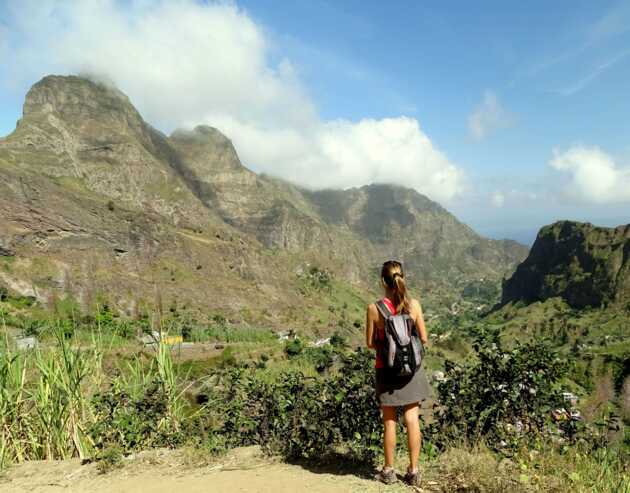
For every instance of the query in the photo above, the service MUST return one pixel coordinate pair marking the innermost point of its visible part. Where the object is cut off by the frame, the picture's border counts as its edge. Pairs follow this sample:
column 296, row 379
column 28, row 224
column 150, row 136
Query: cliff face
column 94, row 200
column 584, row 264
column 272, row 211
column 89, row 133
column 401, row 223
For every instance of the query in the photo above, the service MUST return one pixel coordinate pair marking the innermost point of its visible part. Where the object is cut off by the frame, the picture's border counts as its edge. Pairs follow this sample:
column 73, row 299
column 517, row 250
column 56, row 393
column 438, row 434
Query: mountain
column 401, row 223
column 100, row 206
column 584, row 264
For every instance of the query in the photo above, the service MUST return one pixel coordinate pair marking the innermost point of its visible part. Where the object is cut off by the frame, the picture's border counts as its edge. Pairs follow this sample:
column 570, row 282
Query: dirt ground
column 242, row 471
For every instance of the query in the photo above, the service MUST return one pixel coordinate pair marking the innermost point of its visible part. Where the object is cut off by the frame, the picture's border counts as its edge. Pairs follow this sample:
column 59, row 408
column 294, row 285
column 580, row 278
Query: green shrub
column 490, row 396
column 218, row 319
column 215, row 444
column 286, row 416
column 109, row 458
column 338, row 341
column 227, row 358
column 21, row 301
column 316, row 280
column 124, row 329
column 66, row 328
column 32, row 328
column 133, row 423
column 293, row 348
column 321, row 357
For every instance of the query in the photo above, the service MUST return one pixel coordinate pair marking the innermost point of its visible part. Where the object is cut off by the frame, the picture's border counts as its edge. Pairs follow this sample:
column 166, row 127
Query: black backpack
column 401, row 350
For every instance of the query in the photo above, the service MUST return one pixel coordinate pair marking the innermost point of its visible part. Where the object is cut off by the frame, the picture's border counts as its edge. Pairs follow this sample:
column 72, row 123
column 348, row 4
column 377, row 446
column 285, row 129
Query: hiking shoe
column 413, row 478
column 386, row 475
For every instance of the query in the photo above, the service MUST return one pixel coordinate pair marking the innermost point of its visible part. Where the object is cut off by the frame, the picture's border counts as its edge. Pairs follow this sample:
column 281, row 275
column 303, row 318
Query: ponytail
column 401, row 299
column 394, row 278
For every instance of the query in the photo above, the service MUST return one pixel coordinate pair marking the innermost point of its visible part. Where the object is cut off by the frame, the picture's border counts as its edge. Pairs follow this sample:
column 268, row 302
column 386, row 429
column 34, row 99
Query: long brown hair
column 394, row 278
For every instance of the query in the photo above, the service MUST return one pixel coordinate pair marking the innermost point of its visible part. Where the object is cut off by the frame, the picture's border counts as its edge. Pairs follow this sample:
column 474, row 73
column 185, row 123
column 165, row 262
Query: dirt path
column 243, row 471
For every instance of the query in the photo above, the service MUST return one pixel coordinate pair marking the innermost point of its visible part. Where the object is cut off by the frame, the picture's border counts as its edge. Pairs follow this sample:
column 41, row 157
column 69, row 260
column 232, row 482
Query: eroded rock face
column 103, row 201
column 584, row 264
column 403, row 224
column 81, row 130
column 273, row 211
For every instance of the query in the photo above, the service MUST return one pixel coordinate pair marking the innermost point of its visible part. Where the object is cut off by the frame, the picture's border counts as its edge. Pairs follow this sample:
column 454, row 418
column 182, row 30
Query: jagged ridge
column 84, row 176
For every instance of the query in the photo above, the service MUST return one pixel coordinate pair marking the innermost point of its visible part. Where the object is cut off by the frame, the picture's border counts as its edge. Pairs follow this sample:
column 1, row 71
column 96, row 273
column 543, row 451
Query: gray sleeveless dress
column 401, row 391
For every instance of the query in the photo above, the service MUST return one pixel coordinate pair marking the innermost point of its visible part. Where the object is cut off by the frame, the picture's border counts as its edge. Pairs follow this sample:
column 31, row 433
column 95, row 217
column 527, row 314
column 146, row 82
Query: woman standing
column 392, row 391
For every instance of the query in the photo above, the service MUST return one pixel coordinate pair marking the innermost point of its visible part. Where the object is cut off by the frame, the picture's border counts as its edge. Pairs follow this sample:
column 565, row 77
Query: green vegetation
column 584, row 264
column 103, row 411
column 45, row 416
column 482, row 291
column 315, row 280
column 103, row 395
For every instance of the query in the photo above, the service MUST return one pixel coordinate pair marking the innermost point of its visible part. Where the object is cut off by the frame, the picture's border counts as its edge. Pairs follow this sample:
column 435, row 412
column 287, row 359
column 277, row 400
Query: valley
column 156, row 294
column 98, row 205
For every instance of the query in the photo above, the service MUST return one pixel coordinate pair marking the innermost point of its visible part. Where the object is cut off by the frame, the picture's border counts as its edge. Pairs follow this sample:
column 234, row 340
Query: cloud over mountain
column 591, row 175
column 184, row 63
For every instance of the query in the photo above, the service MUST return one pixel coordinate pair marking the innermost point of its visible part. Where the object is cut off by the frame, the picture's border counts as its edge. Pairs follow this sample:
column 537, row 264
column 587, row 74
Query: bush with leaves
column 339, row 341
column 321, row 357
column 300, row 417
column 128, row 423
column 316, row 280
column 499, row 395
column 294, row 347
column 107, row 320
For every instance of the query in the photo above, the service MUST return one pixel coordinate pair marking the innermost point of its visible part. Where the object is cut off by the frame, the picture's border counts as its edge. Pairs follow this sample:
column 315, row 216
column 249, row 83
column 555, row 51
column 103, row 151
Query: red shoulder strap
column 390, row 305
column 384, row 309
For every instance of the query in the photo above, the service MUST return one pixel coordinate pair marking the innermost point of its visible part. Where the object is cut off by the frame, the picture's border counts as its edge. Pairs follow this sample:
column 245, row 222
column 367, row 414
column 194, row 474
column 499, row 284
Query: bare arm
column 370, row 319
column 419, row 319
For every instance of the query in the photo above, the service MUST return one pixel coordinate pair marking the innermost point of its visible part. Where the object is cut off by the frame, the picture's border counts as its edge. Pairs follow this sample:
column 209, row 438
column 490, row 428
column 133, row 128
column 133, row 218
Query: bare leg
column 413, row 435
column 389, row 435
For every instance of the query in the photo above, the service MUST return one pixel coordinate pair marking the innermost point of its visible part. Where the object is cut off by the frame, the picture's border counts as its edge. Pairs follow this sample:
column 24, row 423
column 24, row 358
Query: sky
column 511, row 115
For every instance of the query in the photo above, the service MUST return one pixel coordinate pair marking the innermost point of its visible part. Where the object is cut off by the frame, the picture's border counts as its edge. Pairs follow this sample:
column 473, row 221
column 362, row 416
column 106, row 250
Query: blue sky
column 525, row 104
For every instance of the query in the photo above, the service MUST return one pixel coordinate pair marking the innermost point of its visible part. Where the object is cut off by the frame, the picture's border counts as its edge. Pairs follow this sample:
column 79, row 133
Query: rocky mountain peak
column 76, row 99
column 83, row 171
column 89, row 132
column 207, row 148
column 584, row 264
column 201, row 135
column 397, row 195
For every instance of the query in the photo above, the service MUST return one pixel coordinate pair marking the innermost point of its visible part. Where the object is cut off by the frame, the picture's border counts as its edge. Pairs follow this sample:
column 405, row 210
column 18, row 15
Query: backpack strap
column 383, row 309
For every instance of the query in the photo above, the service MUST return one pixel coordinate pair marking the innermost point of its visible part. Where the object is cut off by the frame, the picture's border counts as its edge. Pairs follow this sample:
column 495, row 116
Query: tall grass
column 44, row 401
column 13, row 404
column 61, row 398
column 170, row 382
column 46, row 405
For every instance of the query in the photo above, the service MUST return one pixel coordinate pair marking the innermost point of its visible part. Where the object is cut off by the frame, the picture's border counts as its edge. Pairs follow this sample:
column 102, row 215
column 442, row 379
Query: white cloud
column 488, row 117
column 498, row 199
column 184, row 63
column 592, row 175
column 342, row 154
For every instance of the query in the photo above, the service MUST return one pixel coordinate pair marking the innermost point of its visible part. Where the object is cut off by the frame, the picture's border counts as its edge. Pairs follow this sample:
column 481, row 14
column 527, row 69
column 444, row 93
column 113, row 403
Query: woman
column 394, row 392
